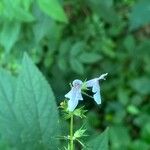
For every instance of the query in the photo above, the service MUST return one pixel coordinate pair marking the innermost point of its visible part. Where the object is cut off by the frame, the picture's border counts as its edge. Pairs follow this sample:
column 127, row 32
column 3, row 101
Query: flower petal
column 97, row 97
column 74, row 99
column 96, row 87
column 79, row 95
column 74, row 95
column 96, row 91
column 68, row 95
column 90, row 83
column 72, row 104
column 94, row 83
column 103, row 76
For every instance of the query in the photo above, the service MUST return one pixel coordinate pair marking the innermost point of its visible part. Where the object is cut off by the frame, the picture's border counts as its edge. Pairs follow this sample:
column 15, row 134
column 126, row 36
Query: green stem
column 71, row 133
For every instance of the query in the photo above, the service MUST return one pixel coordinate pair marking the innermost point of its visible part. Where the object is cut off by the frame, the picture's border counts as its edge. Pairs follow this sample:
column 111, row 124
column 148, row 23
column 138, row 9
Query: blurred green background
column 82, row 39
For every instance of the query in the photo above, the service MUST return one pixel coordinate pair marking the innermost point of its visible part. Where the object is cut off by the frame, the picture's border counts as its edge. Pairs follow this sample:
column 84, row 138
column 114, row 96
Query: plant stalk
column 71, row 133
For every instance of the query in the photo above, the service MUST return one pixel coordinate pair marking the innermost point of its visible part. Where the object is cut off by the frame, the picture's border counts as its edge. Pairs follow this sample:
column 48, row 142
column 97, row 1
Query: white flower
column 74, row 94
column 94, row 83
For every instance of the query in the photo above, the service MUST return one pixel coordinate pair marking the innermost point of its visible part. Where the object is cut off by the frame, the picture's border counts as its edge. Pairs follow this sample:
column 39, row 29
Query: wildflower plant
column 69, row 106
column 29, row 118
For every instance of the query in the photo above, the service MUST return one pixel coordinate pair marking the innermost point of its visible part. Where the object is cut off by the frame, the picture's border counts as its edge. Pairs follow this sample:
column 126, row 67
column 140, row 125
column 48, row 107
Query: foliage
column 99, row 142
column 29, row 119
column 82, row 40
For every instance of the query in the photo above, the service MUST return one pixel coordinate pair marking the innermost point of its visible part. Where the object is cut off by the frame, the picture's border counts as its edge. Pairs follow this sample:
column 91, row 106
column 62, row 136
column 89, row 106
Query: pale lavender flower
column 74, row 94
column 94, row 83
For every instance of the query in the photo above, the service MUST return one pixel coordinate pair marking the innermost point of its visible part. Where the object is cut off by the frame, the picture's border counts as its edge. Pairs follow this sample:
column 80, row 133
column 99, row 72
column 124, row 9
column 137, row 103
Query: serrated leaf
column 140, row 14
column 53, row 9
column 89, row 58
column 36, row 109
column 100, row 142
column 9, row 128
column 9, row 35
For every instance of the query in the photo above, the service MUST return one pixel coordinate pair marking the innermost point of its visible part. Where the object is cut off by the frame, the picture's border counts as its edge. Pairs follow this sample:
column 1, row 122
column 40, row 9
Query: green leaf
column 142, row 119
column 29, row 119
column 100, row 142
column 145, row 132
column 13, row 10
column 89, row 58
column 129, row 43
column 53, row 9
column 76, row 66
column 139, row 144
column 141, row 85
column 77, row 48
column 9, row 128
column 140, row 14
column 1, row 7
column 4, row 145
column 36, row 109
column 23, row 15
column 123, row 95
column 26, row 4
column 44, row 25
column 115, row 133
column 9, row 35
column 133, row 110
column 142, row 48
column 80, row 133
column 104, row 9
